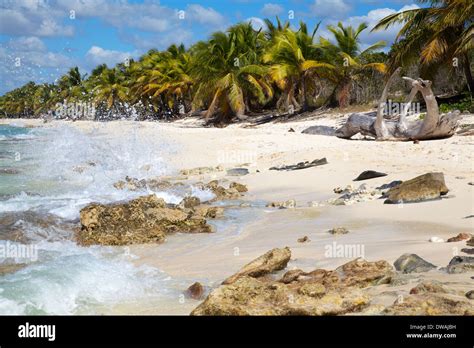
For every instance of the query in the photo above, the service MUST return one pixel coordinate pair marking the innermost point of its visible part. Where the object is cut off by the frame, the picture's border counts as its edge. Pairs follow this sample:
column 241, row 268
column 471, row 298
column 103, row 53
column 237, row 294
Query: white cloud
column 271, row 10
column 367, row 37
column 202, row 15
column 256, row 23
column 98, row 55
column 329, row 8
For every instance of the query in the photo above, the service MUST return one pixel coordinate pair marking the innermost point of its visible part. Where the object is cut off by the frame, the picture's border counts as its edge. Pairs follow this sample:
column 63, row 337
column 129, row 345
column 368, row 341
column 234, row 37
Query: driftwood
column 433, row 126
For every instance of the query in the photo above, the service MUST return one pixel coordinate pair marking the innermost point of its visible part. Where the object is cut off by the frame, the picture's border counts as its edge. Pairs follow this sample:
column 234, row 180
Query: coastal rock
column 319, row 292
column 239, row 187
column 189, row 202
column 470, row 294
column 146, row 219
column 207, row 211
column 461, row 236
column 338, row 230
column 11, row 268
column 201, row 170
column 237, row 172
column 431, row 304
column 429, row 287
column 156, row 184
column 303, row 239
column 301, row 165
column 470, row 242
column 223, row 193
column 320, row 130
column 389, row 185
column 195, row 291
column 273, row 260
column 289, row 204
column 351, row 195
column 461, row 264
column 424, row 187
column 412, row 263
column 369, row 174
column 469, row 251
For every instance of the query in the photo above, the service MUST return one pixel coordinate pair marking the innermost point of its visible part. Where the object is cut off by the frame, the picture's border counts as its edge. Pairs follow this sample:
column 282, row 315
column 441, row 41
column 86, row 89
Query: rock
column 319, row 292
column 289, row 204
column 303, row 239
column 338, row 230
column 461, row 264
column 424, row 187
column 237, row 171
column 238, row 187
column 201, row 170
column 222, row 193
column 11, row 268
column 195, row 291
column 470, row 294
column 461, row 236
column 471, row 183
column 301, row 165
column 273, row 260
column 416, row 141
column 351, row 195
column 470, row 242
column 431, row 304
column 146, row 219
column 429, row 287
column 207, row 211
column 291, row 130
column 11, row 171
column 369, row 174
column 389, row 185
column 435, row 239
column 320, row 130
column 189, row 202
column 412, row 263
column 468, row 251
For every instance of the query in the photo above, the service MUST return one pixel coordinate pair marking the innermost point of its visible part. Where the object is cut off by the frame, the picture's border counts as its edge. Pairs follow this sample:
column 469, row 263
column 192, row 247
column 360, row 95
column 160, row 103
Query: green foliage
column 465, row 104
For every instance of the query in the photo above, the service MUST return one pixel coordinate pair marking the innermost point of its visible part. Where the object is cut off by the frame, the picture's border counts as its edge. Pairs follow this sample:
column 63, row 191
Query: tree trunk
column 468, row 73
column 433, row 126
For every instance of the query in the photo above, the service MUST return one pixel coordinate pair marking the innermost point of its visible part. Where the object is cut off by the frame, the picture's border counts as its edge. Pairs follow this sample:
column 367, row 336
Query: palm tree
column 71, row 86
column 294, row 60
column 110, row 89
column 434, row 36
column 348, row 60
column 228, row 72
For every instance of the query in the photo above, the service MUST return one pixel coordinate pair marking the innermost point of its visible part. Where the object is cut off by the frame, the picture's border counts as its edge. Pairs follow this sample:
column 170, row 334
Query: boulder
column 369, row 174
column 461, row 264
column 273, row 260
column 461, row 236
column 146, row 219
column 223, row 193
column 239, row 187
column 470, row 294
column 412, row 263
column 429, row 287
column 469, row 251
column 195, row 291
column 237, row 172
column 320, row 130
column 190, row 202
column 424, row 187
column 431, row 304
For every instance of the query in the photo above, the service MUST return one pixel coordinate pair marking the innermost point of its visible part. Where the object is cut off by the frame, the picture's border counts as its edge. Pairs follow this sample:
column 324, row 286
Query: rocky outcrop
column 155, row 184
column 461, row 264
column 424, row 187
column 369, row 174
column 319, row 292
column 273, row 260
column 412, row 263
column 146, row 219
column 234, row 191
column 431, row 304
column 301, row 165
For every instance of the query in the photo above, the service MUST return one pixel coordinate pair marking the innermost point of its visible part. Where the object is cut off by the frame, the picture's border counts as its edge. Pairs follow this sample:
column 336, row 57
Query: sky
column 41, row 39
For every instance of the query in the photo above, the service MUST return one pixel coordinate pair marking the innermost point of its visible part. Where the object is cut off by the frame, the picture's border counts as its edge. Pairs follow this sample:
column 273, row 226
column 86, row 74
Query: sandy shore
column 384, row 231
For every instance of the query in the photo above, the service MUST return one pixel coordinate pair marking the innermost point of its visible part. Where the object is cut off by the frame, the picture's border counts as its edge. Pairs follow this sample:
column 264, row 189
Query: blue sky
column 41, row 39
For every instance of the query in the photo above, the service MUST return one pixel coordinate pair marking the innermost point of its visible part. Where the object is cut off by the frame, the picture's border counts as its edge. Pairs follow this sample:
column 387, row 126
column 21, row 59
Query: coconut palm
column 433, row 36
column 228, row 71
column 348, row 60
column 295, row 61
column 71, row 86
column 110, row 89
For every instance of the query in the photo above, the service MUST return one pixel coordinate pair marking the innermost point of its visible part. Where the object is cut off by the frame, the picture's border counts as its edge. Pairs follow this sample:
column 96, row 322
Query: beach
column 249, row 228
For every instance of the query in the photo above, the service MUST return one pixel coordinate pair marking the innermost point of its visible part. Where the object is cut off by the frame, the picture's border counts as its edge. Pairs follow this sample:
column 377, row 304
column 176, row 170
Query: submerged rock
column 369, row 174
column 424, row 187
column 289, row 204
column 11, row 268
column 273, row 260
column 461, row 264
column 301, row 165
column 412, row 263
column 146, row 219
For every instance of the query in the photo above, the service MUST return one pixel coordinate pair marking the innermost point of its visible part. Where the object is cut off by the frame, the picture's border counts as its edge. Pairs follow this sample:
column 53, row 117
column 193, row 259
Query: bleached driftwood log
column 433, row 126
